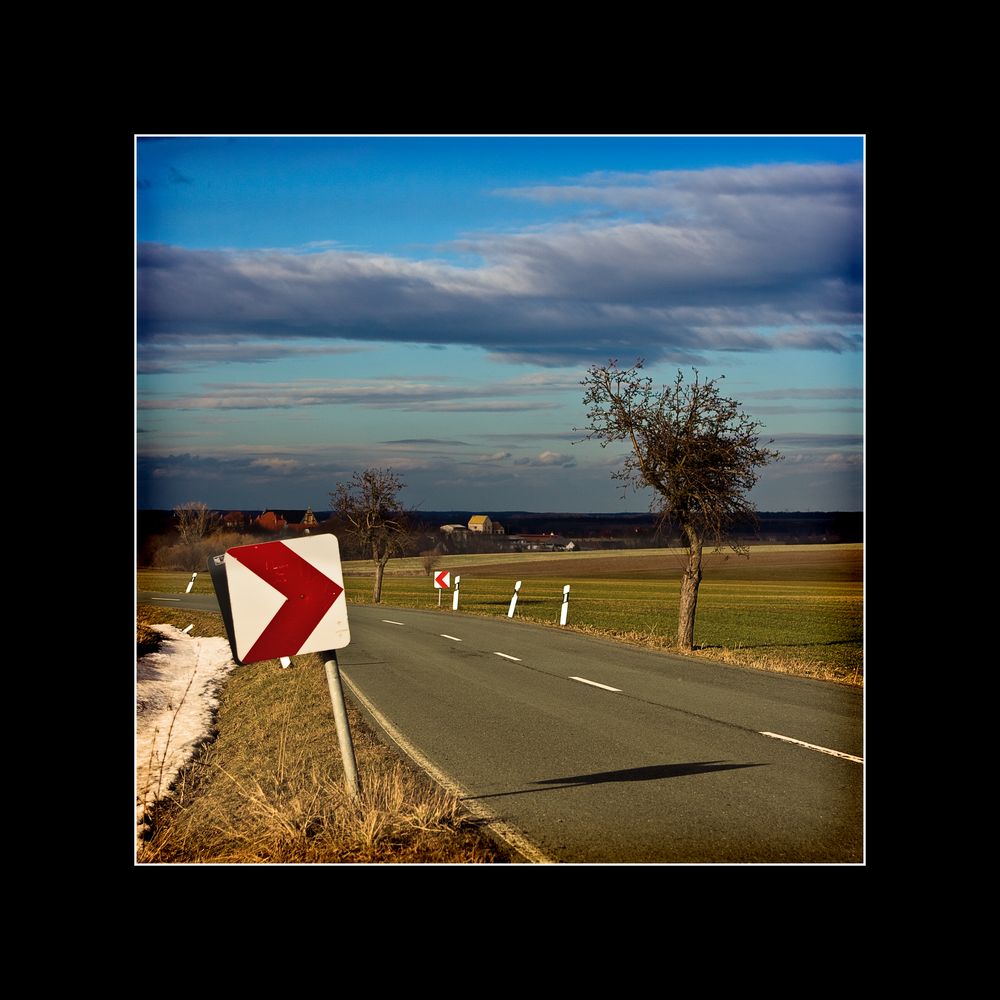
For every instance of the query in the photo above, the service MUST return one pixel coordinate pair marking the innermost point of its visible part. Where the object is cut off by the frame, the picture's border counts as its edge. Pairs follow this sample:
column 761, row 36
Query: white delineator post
column 454, row 600
column 513, row 600
column 194, row 576
column 565, row 605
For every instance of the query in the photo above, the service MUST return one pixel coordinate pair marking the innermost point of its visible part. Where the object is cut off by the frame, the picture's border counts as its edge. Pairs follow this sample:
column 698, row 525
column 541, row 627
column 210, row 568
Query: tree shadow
column 655, row 772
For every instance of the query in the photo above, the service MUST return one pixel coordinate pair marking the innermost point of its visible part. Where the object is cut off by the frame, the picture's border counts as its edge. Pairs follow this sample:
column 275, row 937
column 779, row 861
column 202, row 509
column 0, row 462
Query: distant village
column 456, row 531
column 483, row 524
column 478, row 527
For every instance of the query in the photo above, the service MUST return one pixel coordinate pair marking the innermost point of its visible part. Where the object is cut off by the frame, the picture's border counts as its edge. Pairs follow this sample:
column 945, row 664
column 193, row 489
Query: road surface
column 593, row 751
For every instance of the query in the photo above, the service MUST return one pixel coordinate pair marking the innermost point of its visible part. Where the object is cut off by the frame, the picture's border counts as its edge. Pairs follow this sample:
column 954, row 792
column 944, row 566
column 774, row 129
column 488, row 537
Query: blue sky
column 307, row 307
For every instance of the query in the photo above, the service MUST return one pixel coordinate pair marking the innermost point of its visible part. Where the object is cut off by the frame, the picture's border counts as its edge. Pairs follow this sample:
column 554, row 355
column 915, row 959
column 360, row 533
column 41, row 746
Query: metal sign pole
column 513, row 600
column 343, row 726
column 565, row 605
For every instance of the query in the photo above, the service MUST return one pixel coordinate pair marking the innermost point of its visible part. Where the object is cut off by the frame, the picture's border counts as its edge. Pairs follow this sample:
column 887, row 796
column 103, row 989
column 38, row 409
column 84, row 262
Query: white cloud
column 714, row 261
column 281, row 465
column 391, row 392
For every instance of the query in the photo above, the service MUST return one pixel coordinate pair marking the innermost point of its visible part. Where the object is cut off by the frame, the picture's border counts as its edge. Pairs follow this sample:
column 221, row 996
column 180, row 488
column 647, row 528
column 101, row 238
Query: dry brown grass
column 269, row 787
column 147, row 640
column 801, row 662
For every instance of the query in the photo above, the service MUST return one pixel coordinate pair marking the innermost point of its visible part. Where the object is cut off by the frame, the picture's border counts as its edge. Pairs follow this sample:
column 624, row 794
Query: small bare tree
column 691, row 444
column 372, row 514
column 194, row 521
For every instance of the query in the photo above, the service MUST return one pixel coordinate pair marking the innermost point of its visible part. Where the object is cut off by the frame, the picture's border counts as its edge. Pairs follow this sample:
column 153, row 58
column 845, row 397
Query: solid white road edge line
column 386, row 620
column 454, row 638
column 166, row 599
column 812, row 746
column 506, row 657
column 531, row 852
column 583, row 680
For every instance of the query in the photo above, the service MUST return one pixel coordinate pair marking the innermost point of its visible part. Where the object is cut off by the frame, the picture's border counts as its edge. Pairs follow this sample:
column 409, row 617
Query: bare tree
column 372, row 514
column 429, row 558
column 194, row 521
column 691, row 444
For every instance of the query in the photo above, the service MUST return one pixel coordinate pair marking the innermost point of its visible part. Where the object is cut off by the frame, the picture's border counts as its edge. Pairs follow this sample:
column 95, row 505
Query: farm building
column 269, row 521
column 309, row 525
column 542, row 543
column 483, row 525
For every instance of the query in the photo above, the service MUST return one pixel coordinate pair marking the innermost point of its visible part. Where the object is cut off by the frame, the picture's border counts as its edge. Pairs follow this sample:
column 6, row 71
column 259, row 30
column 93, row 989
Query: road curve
column 595, row 751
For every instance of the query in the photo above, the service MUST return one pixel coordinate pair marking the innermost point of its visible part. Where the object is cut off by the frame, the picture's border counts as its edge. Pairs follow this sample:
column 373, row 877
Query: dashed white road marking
column 812, row 746
column 388, row 622
column 506, row 657
column 454, row 638
column 583, row 680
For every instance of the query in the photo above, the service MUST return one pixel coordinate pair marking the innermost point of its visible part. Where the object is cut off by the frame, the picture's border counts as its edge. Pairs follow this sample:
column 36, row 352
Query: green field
column 170, row 581
column 794, row 608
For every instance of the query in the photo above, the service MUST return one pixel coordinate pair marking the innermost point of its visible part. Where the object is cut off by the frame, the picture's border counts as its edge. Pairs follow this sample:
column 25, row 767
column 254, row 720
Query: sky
column 307, row 307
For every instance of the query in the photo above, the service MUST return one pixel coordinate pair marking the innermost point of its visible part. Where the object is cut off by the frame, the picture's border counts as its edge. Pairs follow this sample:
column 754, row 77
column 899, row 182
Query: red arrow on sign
column 308, row 593
column 443, row 580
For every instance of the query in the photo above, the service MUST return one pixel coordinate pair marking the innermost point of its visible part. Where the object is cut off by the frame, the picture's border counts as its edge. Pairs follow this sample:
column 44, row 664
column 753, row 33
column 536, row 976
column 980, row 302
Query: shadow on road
column 652, row 773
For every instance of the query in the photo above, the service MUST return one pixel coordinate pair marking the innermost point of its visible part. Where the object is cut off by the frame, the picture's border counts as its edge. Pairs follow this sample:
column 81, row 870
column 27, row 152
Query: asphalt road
column 665, row 761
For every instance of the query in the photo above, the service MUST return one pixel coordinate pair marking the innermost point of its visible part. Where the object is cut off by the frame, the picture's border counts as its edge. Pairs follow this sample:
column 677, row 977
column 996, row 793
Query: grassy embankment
column 269, row 786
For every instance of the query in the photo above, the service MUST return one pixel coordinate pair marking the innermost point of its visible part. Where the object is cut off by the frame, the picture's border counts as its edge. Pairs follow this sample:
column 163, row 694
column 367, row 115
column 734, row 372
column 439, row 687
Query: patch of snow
column 176, row 693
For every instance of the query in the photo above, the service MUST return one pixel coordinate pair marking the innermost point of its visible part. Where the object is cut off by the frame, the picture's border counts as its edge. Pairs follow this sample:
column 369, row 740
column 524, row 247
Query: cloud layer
column 678, row 263
column 390, row 392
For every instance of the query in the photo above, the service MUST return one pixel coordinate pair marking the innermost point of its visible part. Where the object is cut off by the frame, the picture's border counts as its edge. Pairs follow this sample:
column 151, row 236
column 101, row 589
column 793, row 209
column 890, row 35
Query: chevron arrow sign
column 286, row 598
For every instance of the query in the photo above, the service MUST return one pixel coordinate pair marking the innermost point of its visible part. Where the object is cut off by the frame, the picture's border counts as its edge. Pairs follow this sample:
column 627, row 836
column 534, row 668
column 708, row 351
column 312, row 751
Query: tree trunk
column 377, row 589
column 689, row 591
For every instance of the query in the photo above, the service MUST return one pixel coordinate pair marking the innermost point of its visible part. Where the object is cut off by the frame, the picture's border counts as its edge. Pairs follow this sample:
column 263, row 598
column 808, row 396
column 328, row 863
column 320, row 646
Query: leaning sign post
column 281, row 599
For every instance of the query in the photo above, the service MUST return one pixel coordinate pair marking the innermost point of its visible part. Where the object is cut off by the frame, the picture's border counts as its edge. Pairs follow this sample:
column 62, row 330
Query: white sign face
column 442, row 580
column 287, row 598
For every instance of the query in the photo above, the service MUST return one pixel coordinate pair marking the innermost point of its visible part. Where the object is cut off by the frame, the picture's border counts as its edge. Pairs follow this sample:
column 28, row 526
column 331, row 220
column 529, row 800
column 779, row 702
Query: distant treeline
column 798, row 527
column 599, row 530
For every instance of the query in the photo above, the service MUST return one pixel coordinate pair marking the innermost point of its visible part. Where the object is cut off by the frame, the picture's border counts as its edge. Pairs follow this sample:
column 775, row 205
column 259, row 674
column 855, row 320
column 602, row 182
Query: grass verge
column 268, row 787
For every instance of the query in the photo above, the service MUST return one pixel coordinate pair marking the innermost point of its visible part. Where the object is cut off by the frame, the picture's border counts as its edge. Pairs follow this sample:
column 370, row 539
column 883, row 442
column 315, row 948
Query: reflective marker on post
column 442, row 581
column 454, row 600
column 513, row 600
column 565, row 605
column 194, row 576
